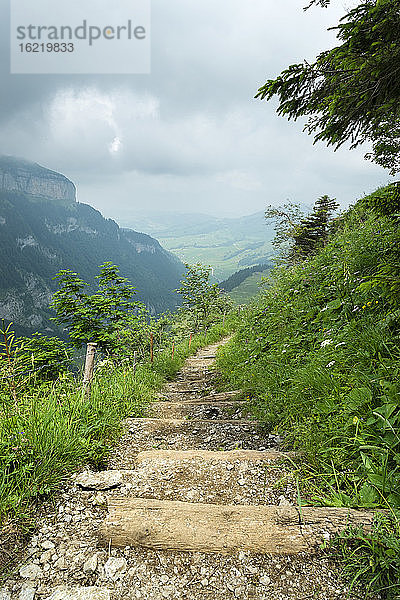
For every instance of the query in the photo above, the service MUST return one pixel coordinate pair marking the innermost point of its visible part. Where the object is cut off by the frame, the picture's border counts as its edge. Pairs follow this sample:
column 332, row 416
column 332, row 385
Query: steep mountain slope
column 43, row 230
column 227, row 244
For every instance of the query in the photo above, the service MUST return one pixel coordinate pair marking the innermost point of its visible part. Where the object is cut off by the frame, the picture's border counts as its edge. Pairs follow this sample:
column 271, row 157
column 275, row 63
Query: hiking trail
column 198, row 502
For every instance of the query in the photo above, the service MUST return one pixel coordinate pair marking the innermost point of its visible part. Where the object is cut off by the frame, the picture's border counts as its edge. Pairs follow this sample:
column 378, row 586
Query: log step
column 178, row 422
column 197, row 409
column 210, row 528
column 213, row 456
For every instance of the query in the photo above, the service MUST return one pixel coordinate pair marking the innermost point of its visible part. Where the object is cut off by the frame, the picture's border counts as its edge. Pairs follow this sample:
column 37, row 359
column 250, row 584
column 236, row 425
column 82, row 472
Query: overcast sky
column 189, row 137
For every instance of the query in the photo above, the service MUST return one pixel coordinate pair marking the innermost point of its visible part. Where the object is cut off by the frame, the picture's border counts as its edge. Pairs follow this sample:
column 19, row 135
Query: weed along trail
column 197, row 502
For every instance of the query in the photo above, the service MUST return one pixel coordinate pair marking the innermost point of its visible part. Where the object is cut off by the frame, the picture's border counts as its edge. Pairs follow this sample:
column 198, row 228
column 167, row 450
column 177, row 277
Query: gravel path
column 64, row 561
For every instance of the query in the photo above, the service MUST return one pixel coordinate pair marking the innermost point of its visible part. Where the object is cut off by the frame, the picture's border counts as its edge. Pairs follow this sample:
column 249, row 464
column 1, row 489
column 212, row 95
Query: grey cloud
column 190, row 135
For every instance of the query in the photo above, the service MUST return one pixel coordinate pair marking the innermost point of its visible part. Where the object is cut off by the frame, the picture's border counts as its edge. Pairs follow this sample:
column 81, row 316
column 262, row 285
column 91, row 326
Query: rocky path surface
column 198, row 503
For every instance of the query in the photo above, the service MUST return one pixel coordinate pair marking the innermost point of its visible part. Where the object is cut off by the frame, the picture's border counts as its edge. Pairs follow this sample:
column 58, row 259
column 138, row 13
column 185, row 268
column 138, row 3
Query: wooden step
column 171, row 525
column 197, row 409
column 210, row 455
column 178, row 422
column 200, row 402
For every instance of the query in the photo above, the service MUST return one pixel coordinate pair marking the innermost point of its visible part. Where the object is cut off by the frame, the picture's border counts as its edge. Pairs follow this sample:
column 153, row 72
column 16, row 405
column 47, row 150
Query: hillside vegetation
column 318, row 355
column 243, row 285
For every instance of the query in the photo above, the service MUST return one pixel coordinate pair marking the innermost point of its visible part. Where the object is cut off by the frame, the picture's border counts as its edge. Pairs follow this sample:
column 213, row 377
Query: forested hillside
column 43, row 232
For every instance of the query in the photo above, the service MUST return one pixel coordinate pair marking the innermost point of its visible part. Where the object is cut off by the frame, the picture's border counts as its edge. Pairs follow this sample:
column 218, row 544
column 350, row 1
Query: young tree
column 98, row 317
column 298, row 236
column 312, row 232
column 199, row 296
column 351, row 92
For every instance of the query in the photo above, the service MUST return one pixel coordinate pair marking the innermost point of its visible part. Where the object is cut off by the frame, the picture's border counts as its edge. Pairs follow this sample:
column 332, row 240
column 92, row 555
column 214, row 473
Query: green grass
column 319, row 354
column 250, row 287
column 53, row 430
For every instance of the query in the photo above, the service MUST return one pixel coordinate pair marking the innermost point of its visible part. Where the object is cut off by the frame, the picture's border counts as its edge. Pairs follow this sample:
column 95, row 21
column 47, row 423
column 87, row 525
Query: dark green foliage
column 312, row 231
column 97, row 317
column 200, row 298
column 385, row 201
column 373, row 559
column 46, row 357
column 298, row 236
column 237, row 278
column 351, row 92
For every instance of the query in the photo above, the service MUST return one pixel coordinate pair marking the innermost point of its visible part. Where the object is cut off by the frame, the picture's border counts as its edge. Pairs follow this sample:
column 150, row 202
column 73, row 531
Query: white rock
column 47, row 545
column 104, row 480
column 164, row 579
column 114, row 567
column 90, row 565
column 99, row 499
column 27, row 592
column 78, row 593
column 45, row 557
column 251, row 569
column 30, row 571
column 60, row 564
column 264, row 580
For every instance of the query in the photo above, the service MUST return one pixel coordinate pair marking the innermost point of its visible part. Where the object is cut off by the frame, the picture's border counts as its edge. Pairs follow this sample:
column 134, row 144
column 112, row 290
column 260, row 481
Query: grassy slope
column 319, row 353
column 250, row 287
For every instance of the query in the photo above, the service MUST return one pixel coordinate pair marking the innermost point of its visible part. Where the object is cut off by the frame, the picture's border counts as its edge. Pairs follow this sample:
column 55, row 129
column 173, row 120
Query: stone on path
column 27, row 592
column 103, row 480
column 30, row 571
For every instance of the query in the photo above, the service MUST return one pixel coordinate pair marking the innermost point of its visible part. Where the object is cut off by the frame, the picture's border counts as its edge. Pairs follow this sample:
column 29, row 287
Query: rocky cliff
column 41, row 234
column 18, row 175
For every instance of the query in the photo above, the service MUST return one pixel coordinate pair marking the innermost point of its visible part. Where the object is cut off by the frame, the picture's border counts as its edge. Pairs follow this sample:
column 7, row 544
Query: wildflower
column 331, row 364
column 364, row 306
column 369, row 303
column 326, row 343
column 355, row 420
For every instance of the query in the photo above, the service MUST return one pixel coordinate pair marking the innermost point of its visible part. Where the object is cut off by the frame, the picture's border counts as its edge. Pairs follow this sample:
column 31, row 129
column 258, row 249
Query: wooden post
column 173, row 350
column 89, row 367
column 151, row 348
column 190, row 341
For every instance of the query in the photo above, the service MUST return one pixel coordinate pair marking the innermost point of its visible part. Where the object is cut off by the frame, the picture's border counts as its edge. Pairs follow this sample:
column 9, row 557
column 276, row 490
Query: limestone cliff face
column 17, row 175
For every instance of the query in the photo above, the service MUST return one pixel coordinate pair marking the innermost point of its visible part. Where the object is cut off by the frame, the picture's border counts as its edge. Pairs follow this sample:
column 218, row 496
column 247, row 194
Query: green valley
column 226, row 244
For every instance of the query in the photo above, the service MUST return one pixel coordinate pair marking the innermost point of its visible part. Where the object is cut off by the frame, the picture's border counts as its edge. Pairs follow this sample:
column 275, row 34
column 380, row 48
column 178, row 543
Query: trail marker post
column 89, row 368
